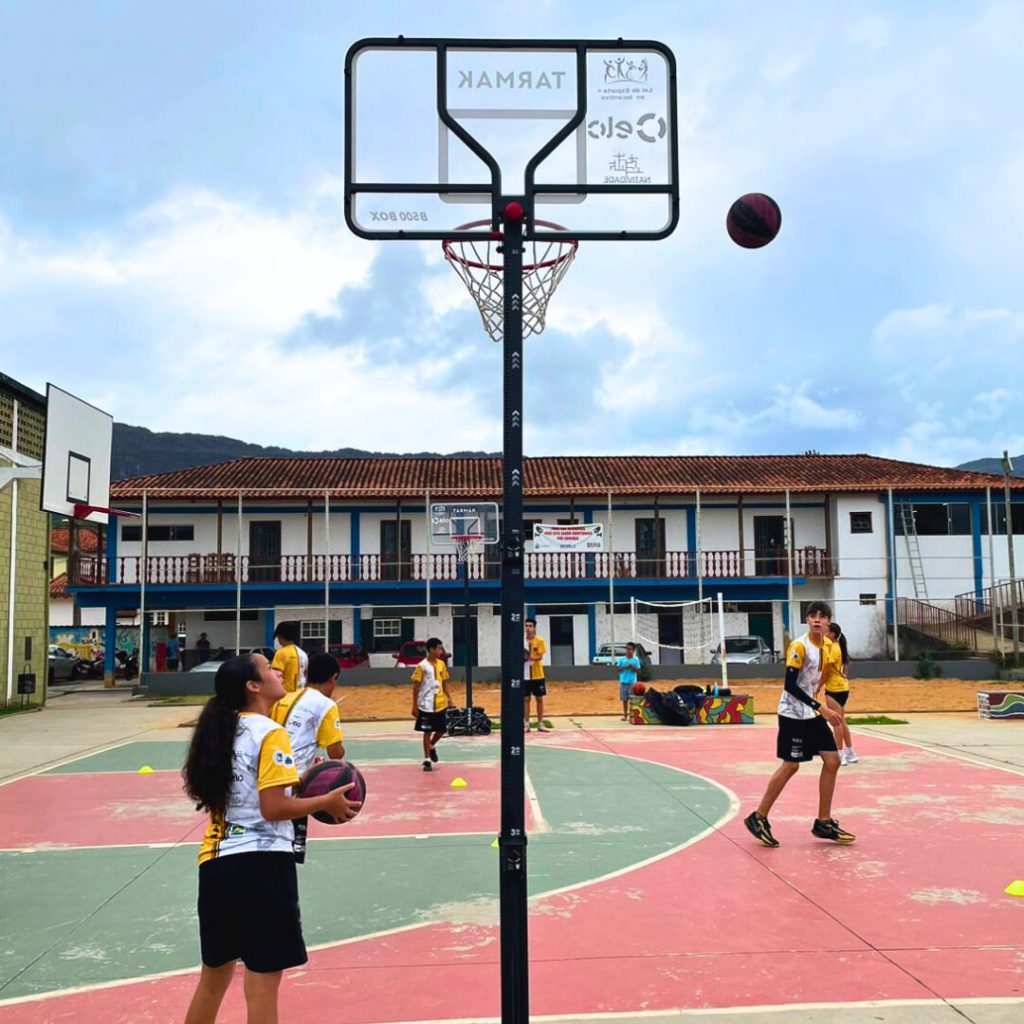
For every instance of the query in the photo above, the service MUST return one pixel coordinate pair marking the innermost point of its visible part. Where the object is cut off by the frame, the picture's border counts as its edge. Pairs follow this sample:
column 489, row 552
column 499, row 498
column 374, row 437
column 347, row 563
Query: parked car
column 350, row 655
column 743, row 650
column 63, row 664
column 412, row 652
column 605, row 655
column 223, row 653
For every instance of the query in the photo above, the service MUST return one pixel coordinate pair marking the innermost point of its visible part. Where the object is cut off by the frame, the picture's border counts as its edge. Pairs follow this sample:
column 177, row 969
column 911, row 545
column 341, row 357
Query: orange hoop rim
column 571, row 243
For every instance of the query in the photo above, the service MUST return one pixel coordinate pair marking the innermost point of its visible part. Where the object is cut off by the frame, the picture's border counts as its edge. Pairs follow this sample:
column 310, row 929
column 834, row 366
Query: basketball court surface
column 649, row 900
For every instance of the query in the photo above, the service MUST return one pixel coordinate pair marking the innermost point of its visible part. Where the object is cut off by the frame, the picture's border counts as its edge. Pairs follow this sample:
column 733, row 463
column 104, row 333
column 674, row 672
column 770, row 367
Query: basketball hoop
column 465, row 543
column 482, row 271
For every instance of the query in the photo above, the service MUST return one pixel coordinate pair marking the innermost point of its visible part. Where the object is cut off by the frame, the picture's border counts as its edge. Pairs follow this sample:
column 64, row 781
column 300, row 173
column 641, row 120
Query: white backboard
column 76, row 461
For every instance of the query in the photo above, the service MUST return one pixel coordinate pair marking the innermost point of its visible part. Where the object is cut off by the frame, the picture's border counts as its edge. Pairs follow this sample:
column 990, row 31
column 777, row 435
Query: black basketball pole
column 515, row 966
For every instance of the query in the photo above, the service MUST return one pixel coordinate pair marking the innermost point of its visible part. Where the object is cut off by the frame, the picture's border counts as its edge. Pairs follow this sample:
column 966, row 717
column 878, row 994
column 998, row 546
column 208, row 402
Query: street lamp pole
column 1014, row 596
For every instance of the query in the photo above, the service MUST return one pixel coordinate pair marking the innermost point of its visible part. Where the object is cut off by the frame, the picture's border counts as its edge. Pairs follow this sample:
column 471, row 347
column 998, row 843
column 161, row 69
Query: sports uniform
column 248, row 891
column 287, row 660
column 837, row 685
column 535, row 684
column 803, row 733
column 431, row 700
column 312, row 721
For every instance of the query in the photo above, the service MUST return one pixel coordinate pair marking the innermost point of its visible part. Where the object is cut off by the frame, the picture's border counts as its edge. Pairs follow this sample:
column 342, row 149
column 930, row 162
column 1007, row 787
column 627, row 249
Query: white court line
column 957, row 755
column 540, row 823
column 67, row 760
column 538, row 897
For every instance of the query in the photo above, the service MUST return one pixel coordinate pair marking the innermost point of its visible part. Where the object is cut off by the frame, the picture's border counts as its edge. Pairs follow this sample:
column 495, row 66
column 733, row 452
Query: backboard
column 76, row 459
column 582, row 133
column 451, row 520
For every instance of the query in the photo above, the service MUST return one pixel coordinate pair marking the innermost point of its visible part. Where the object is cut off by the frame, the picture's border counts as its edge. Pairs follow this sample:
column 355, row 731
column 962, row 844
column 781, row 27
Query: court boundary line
column 730, row 813
column 941, row 752
column 68, row 760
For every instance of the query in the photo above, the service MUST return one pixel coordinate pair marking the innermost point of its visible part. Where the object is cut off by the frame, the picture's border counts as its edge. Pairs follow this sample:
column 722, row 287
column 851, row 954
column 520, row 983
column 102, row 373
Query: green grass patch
column 180, row 700
column 875, row 720
column 17, row 709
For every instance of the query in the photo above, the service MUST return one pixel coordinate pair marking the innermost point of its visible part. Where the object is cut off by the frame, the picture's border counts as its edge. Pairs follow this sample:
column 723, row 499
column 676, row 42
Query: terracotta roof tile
column 555, row 476
column 58, row 586
column 60, row 538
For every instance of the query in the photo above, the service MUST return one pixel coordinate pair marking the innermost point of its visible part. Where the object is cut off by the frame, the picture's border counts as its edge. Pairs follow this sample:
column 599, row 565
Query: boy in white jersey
column 240, row 768
column 430, row 700
column 804, row 731
column 310, row 717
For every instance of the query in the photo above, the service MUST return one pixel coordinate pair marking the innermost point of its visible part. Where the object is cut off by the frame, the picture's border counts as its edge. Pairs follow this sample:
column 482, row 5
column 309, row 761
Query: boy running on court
column 430, row 700
column 804, row 731
column 628, row 668
column 310, row 717
column 535, row 686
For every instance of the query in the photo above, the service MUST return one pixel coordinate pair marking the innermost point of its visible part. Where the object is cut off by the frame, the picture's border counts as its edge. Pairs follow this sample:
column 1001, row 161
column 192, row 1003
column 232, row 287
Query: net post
column 721, row 633
column 515, row 968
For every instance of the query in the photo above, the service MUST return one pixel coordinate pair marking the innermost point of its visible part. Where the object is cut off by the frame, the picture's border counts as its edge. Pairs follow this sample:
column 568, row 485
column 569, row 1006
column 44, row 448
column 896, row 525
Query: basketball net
column 465, row 544
column 479, row 264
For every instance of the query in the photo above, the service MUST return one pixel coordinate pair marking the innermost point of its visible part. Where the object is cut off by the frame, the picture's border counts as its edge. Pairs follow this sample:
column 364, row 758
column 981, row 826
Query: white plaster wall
column 861, row 560
column 948, row 564
column 62, row 613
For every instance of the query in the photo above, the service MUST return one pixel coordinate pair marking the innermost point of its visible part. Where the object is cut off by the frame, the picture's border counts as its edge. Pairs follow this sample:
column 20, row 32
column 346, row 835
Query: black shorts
column 840, row 697
column 249, row 911
column 431, row 721
column 536, row 687
column 801, row 739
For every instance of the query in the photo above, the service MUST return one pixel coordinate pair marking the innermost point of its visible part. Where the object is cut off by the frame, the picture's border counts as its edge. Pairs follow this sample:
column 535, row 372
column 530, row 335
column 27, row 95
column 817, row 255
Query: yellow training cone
column 1015, row 888
column 494, row 845
column 145, row 770
column 459, row 783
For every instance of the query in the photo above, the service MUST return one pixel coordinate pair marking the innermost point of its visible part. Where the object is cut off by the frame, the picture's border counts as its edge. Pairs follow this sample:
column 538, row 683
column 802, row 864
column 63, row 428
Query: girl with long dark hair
column 240, row 768
column 837, row 693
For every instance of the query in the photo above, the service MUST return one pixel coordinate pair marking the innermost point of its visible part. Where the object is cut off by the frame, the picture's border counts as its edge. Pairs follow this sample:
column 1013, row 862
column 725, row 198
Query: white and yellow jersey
column 806, row 656
column 430, row 678
column 312, row 721
column 262, row 759
column 835, row 677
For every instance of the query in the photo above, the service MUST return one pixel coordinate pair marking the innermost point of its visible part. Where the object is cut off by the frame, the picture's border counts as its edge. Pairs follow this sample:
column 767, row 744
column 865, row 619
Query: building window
column 247, row 615
column 312, row 629
column 999, row 518
column 935, row 519
column 860, row 522
column 869, row 599
column 387, row 629
column 180, row 531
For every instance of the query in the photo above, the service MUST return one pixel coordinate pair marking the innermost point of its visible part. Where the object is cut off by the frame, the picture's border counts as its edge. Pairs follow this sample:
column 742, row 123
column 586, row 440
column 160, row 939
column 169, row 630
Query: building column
column 109, row 644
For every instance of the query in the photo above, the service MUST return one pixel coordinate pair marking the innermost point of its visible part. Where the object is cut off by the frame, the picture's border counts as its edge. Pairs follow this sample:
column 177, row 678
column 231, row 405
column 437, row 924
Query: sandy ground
column 600, row 697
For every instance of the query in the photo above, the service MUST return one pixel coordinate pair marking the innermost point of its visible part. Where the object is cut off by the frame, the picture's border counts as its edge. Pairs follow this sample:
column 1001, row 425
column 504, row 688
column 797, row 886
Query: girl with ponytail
column 240, row 769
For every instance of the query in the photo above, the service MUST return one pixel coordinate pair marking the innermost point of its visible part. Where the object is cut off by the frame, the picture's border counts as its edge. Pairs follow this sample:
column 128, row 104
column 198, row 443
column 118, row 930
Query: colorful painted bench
column 737, row 709
column 1000, row 704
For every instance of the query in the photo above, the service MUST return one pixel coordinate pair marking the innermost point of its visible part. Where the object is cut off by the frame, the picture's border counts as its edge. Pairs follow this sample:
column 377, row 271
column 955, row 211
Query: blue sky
column 172, row 246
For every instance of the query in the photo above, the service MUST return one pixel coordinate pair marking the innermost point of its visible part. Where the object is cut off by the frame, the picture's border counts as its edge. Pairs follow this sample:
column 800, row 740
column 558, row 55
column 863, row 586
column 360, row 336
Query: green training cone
column 145, row 770
column 1015, row 888
column 459, row 783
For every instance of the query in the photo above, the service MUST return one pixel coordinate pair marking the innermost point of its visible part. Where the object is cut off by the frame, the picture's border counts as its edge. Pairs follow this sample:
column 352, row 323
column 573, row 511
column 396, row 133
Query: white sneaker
column 842, row 758
column 851, row 756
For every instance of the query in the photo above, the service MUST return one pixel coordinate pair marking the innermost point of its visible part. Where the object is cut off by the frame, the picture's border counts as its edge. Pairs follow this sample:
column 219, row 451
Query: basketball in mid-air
column 639, row 689
column 754, row 220
column 328, row 775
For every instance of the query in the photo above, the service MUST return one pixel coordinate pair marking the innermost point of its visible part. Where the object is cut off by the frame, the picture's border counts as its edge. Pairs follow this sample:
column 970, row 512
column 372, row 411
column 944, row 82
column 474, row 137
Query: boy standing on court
column 286, row 660
column 310, row 717
column 628, row 668
column 430, row 700
column 804, row 731
column 535, row 685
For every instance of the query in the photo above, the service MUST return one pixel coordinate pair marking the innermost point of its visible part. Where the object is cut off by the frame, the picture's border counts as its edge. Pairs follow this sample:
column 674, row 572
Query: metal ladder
column 909, row 524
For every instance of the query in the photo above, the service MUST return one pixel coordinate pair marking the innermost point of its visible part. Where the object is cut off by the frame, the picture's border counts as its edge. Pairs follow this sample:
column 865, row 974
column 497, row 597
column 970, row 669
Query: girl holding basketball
column 240, row 768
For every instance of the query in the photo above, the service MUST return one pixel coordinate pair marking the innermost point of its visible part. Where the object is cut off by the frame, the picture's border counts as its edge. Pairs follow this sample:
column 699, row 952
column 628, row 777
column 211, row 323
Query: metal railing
column 212, row 569
column 938, row 623
column 978, row 605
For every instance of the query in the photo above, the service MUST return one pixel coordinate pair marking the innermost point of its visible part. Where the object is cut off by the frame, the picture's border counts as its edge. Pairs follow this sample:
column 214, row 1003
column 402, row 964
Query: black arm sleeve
column 794, row 690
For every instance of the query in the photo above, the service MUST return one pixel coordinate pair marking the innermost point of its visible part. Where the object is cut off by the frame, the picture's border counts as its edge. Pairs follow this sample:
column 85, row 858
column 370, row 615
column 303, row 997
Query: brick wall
column 31, row 590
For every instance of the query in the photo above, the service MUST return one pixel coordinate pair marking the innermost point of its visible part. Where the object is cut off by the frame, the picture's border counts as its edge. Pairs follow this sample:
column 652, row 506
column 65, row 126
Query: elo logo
column 648, row 128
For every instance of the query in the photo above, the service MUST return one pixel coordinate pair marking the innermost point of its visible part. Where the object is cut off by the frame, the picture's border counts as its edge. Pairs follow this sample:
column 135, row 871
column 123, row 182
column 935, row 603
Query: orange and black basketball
column 754, row 220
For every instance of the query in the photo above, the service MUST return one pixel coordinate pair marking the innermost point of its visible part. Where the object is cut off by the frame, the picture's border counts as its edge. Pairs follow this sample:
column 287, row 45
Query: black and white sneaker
column 427, row 766
column 759, row 828
column 830, row 829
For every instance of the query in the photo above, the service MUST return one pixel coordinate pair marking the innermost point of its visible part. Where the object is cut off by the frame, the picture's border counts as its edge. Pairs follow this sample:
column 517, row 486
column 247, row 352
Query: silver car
column 743, row 650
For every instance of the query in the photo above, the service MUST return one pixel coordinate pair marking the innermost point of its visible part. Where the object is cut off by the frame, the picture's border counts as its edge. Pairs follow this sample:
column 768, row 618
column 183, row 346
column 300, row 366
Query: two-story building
column 343, row 546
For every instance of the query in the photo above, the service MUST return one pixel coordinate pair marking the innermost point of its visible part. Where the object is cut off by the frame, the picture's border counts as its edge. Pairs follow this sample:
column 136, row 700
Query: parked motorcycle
column 88, row 668
column 129, row 663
